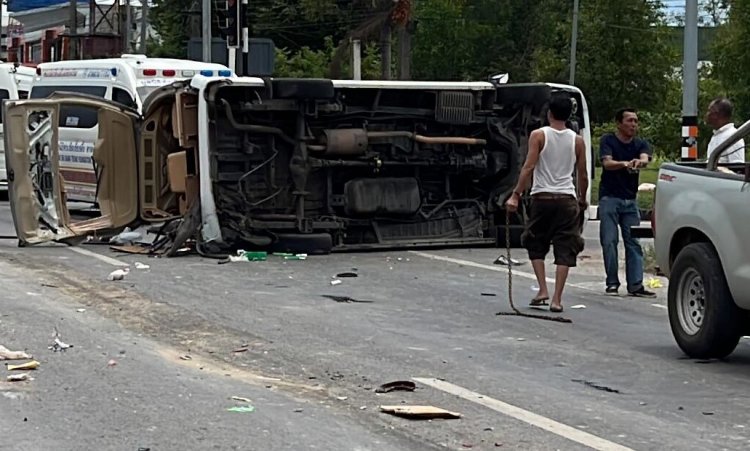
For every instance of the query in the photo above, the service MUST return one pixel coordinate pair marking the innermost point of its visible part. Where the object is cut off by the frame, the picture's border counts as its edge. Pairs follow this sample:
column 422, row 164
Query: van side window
column 4, row 95
column 23, row 95
column 123, row 97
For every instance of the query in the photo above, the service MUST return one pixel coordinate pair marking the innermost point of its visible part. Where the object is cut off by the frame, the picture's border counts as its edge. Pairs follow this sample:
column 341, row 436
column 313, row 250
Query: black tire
column 697, row 279
column 299, row 89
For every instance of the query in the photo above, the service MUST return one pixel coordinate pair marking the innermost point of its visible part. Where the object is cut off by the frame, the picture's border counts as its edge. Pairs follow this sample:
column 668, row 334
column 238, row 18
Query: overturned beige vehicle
column 296, row 165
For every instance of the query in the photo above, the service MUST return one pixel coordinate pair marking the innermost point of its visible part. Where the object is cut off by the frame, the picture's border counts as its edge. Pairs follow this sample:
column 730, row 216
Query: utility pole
column 574, row 43
column 128, row 26
column 245, row 59
column 206, row 32
column 73, row 25
column 690, row 84
column 356, row 59
column 144, row 25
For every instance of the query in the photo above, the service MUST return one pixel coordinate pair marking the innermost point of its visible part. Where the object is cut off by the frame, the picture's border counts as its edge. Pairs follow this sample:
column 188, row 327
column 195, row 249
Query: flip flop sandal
column 541, row 302
column 555, row 309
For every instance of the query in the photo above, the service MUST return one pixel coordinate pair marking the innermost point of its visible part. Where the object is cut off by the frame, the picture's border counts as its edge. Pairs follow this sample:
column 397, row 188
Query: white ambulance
column 127, row 80
column 15, row 83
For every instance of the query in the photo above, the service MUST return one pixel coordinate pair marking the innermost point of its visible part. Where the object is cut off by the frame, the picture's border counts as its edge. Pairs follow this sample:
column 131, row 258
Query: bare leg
column 541, row 279
column 561, row 276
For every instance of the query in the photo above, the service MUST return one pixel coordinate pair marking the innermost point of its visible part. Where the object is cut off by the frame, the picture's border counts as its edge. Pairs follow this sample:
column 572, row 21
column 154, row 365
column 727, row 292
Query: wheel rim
column 691, row 307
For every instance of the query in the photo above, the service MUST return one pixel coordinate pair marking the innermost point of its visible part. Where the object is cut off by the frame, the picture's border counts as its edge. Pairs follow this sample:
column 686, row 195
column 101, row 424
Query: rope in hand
column 515, row 311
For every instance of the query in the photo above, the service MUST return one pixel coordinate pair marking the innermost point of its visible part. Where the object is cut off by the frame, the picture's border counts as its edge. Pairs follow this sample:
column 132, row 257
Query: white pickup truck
column 701, row 226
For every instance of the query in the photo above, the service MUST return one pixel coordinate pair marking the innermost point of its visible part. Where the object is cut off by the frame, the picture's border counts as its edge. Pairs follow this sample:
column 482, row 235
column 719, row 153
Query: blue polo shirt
column 621, row 183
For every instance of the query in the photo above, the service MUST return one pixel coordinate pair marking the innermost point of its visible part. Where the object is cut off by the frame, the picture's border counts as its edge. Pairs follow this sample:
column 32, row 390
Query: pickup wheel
column 704, row 319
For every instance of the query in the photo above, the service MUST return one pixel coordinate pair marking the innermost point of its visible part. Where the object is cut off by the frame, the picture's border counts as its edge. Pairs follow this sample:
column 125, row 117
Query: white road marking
column 562, row 430
column 100, row 257
column 497, row 268
column 660, row 306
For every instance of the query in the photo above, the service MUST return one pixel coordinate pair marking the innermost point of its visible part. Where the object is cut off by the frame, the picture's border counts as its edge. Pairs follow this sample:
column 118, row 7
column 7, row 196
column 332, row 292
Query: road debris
column 80, row 310
column 127, row 236
column 118, row 274
column 299, row 410
column 18, row 377
column 185, row 357
column 654, row 283
column 24, row 366
column 241, row 409
column 336, row 282
column 59, row 345
column 489, row 294
column 503, row 260
column 345, row 299
column 241, row 349
column 396, row 386
column 342, row 398
column 241, row 399
column 7, row 354
column 578, row 307
column 139, row 265
column 287, row 256
column 344, row 275
column 112, row 363
column 246, row 256
column 420, row 412
column 596, row 386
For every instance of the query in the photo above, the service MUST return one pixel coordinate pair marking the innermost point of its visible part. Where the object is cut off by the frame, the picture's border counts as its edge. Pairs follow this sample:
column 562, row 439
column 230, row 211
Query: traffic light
column 230, row 23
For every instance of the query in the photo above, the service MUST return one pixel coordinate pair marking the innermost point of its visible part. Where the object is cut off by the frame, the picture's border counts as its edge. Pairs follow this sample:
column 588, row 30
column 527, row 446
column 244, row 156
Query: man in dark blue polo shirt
column 622, row 154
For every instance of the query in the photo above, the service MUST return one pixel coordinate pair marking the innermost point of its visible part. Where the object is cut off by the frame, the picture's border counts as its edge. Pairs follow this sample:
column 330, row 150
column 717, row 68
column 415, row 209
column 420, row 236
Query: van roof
column 133, row 61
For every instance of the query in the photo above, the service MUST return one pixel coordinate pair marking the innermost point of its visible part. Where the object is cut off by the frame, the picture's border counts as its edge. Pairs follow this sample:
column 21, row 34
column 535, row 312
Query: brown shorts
column 554, row 221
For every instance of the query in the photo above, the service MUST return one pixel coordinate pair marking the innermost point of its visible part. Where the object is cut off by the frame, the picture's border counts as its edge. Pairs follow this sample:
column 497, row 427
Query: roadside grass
column 645, row 199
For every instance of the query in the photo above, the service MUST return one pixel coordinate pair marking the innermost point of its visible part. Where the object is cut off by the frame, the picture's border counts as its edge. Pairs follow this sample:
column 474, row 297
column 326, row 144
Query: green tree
column 625, row 56
column 731, row 65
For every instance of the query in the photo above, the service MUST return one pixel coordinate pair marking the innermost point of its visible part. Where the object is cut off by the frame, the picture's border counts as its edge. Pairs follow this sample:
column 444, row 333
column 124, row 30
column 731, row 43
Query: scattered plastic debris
column 112, row 363
column 241, row 349
column 597, row 386
column 24, row 366
column 59, row 346
column 420, row 412
column 185, row 357
column 126, row 237
column 345, row 299
column 241, row 409
column 503, row 260
column 342, row 398
column 7, row 354
column 298, row 410
column 578, row 307
column 139, row 265
column 287, row 256
column 118, row 274
column 347, row 274
column 80, row 310
column 246, row 256
column 18, row 377
column 654, row 283
column 336, row 282
column 241, row 399
column 489, row 294
column 396, row 386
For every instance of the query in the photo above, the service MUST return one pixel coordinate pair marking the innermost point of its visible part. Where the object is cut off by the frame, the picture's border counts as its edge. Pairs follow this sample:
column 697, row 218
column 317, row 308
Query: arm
column 581, row 170
column 644, row 158
column 608, row 162
column 536, row 143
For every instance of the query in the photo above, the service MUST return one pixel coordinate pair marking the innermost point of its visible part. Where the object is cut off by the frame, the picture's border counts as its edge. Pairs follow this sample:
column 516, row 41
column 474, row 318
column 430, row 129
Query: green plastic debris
column 287, row 256
column 254, row 256
column 242, row 409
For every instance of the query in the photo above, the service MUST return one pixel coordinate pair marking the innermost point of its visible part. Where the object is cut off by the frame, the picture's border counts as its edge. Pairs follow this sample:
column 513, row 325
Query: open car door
column 36, row 189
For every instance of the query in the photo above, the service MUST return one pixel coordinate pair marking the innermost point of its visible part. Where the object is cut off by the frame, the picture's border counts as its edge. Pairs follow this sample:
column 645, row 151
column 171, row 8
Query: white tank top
column 554, row 170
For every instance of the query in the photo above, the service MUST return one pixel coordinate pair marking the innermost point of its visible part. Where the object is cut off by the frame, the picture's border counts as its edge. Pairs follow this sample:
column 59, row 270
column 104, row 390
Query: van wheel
column 299, row 89
column 704, row 319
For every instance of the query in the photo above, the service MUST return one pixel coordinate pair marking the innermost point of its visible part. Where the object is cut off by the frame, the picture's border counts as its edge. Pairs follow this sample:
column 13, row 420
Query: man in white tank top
column 555, row 152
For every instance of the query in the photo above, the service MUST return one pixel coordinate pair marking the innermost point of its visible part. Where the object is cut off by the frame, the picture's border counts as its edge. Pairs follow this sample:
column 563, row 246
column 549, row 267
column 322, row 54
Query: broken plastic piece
column 18, row 377
column 7, row 354
column 420, row 412
column 118, row 274
column 126, row 237
column 347, row 274
column 58, row 345
column 336, row 282
column 139, row 265
column 24, row 366
column 243, row 255
column 396, row 386
column 241, row 399
column 242, row 409
column 578, row 307
column 654, row 283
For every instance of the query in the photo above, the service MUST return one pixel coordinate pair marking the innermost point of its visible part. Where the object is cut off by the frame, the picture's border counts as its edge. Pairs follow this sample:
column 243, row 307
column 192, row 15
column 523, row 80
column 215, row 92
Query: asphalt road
column 613, row 379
